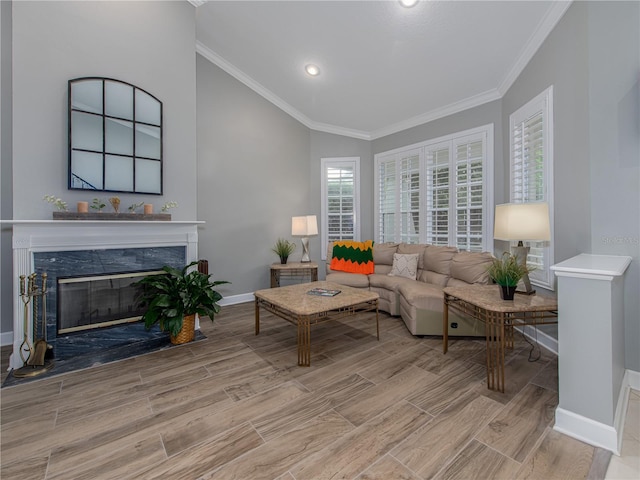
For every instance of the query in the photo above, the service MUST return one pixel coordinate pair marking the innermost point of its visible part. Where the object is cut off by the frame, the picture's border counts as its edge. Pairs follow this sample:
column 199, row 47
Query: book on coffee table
column 323, row 292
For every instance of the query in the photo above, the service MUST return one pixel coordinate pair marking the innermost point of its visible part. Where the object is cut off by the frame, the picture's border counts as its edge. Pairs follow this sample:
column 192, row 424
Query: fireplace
column 100, row 250
column 88, row 302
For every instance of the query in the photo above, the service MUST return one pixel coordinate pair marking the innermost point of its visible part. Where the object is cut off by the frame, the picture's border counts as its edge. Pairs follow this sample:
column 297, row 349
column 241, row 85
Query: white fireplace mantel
column 31, row 236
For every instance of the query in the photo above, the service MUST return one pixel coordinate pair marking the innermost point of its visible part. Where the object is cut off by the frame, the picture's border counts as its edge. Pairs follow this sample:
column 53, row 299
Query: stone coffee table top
column 296, row 299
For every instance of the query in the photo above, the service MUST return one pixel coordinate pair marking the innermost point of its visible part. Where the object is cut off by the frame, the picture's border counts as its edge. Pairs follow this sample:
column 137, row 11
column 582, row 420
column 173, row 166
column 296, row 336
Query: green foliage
column 58, row 202
column 97, row 204
column 283, row 247
column 171, row 296
column 135, row 206
column 507, row 271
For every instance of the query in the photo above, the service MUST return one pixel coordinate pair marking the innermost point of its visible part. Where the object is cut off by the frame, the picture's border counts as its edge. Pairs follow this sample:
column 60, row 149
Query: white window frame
column 542, row 103
column 337, row 162
column 485, row 133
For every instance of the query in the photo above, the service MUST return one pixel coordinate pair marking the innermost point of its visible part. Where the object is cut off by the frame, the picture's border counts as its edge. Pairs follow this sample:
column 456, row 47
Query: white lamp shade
column 304, row 226
column 522, row 221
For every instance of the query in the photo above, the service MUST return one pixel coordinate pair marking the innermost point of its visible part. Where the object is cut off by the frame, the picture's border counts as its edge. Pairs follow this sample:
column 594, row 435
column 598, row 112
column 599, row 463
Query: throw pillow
column 405, row 265
column 353, row 257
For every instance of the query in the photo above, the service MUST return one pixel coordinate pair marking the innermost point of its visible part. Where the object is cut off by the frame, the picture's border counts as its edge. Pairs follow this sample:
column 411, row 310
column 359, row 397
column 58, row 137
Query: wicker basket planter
column 187, row 332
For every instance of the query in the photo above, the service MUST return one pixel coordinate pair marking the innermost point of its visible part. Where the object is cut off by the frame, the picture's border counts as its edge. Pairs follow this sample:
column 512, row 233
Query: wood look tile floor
column 236, row 406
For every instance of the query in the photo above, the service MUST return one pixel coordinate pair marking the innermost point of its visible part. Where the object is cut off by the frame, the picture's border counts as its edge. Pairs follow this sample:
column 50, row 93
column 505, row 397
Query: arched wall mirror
column 115, row 137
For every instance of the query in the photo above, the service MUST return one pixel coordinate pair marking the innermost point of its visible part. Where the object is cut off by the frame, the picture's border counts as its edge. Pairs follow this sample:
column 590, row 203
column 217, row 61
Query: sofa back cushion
column 470, row 267
column 438, row 259
column 411, row 248
column 383, row 254
column 352, row 257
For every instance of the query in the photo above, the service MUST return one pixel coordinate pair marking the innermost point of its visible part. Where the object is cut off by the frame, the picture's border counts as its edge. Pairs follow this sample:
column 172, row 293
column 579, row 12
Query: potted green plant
column 283, row 248
column 507, row 272
column 173, row 298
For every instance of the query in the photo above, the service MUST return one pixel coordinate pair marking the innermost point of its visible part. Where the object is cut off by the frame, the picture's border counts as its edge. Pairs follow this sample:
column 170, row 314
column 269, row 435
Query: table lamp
column 522, row 221
column 304, row 227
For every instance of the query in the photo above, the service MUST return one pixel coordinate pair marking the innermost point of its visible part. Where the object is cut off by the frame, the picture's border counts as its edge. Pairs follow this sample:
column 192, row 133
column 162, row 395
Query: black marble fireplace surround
column 83, row 349
column 98, row 262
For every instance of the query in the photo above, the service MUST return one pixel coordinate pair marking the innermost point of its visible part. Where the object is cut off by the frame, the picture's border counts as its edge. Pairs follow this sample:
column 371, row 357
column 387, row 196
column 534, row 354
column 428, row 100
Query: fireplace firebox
column 88, row 302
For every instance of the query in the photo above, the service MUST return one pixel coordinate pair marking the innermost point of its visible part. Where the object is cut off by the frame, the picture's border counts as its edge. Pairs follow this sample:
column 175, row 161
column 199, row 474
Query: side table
column 483, row 302
column 298, row 270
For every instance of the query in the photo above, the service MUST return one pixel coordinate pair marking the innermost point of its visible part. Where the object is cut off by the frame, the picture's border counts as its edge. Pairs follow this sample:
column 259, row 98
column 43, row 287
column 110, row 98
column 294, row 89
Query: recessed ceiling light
column 312, row 69
column 408, row 3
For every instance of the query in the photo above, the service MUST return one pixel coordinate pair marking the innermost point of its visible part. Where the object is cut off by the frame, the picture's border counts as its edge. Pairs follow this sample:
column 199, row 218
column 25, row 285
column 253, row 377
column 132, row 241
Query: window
column 438, row 192
column 340, row 200
column 531, row 160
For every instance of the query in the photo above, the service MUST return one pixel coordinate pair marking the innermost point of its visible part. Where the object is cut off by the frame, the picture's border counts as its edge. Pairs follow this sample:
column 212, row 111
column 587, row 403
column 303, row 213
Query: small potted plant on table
column 283, row 248
column 174, row 298
column 507, row 272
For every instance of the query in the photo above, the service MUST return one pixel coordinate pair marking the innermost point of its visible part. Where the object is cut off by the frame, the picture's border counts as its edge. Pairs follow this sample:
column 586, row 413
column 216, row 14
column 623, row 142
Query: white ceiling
column 384, row 68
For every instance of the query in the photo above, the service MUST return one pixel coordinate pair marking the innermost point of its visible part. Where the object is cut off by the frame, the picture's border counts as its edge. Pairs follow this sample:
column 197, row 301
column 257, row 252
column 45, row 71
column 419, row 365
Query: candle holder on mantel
column 34, row 353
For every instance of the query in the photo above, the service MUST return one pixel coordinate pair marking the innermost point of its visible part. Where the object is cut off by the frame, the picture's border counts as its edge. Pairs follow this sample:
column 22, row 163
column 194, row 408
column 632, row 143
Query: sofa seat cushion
column 349, row 279
column 422, row 295
column 388, row 282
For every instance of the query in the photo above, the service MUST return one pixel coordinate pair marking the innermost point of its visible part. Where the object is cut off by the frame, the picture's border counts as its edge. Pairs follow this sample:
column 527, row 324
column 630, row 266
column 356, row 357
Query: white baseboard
column 596, row 433
column 235, row 299
column 6, row 338
column 586, row 430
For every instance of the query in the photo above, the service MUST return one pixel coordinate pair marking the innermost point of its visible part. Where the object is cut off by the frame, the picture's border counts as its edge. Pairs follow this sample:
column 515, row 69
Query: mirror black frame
column 106, row 158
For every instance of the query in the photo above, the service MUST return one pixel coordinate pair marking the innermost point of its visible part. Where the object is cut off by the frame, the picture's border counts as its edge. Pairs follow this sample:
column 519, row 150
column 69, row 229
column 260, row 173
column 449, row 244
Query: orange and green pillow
column 353, row 257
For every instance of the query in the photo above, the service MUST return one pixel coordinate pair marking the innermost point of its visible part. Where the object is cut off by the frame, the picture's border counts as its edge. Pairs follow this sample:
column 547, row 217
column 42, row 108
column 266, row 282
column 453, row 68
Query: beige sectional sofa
column 420, row 302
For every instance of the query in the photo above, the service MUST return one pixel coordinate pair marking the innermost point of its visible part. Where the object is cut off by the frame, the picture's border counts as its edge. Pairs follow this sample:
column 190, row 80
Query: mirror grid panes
column 115, row 137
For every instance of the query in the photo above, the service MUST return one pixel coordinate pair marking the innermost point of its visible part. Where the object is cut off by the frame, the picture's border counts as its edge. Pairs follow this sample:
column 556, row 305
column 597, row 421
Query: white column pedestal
column 591, row 349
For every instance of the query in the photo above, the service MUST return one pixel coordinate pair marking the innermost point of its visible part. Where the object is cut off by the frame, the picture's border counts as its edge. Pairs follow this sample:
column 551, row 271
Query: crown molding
column 242, row 77
column 465, row 104
column 546, row 25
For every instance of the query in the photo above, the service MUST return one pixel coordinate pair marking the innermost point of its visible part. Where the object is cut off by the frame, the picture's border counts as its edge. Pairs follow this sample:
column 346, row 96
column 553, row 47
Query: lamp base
column 305, row 250
column 521, row 252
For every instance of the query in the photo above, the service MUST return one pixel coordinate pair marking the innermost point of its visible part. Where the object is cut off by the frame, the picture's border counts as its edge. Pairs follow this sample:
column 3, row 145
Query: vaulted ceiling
column 383, row 67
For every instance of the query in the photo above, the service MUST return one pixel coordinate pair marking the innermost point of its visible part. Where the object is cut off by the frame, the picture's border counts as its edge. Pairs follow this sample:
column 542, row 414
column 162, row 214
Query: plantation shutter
column 438, row 195
column 340, row 203
column 387, row 200
column 469, row 199
column 409, row 166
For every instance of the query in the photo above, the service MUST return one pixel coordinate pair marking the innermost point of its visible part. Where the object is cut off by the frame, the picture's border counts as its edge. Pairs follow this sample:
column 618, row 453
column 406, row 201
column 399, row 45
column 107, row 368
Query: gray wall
column 148, row 44
column 6, row 187
column 328, row 145
column 592, row 60
column 562, row 62
column 253, row 176
column 614, row 148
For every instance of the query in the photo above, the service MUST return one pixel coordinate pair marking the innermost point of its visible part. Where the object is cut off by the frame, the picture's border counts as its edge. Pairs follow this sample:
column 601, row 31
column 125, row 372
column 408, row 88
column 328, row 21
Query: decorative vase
column 507, row 292
column 83, row 207
column 188, row 331
column 148, row 208
column 283, row 259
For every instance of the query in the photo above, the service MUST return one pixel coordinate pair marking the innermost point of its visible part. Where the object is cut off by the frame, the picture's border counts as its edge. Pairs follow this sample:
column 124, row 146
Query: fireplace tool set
column 34, row 353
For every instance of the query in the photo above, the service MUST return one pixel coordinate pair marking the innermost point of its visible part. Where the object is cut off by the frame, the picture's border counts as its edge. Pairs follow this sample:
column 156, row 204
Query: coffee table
column 483, row 302
column 295, row 305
